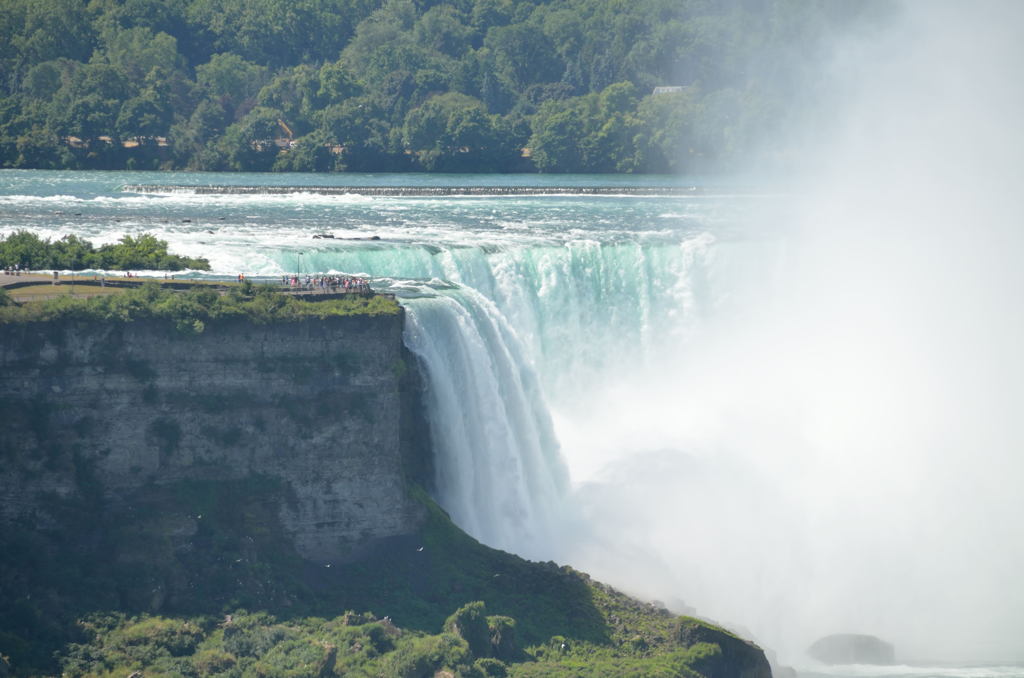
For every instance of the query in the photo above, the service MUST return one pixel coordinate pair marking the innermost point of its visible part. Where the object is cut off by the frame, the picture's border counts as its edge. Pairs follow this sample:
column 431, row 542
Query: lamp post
column 298, row 264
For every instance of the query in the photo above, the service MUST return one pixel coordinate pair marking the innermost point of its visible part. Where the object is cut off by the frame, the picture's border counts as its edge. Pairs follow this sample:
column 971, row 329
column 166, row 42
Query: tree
column 188, row 69
column 279, row 34
column 359, row 127
column 523, row 55
column 143, row 117
column 137, row 51
column 72, row 253
column 311, row 153
column 294, row 92
column 555, row 143
column 38, row 148
column 42, row 80
column 384, row 52
column 665, row 141
column 337, row 83
column 193, row 139
column 87, row 117
column 249, row 144
column 453, row 133
column 593, row 133
column 88, row 102
column 441, row 28
column 231, row 80
column 25, row 250
column 610, row 148
column 52, row 29
column 146, row 252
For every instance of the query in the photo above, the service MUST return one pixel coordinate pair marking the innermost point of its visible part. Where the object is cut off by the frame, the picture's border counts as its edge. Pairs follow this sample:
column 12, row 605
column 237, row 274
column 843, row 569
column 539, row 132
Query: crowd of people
column 327, row 283
column 334, row 284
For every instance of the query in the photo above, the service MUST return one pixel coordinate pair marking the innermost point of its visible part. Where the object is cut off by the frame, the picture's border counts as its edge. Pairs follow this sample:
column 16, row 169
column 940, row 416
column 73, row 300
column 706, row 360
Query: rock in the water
column 852, row 648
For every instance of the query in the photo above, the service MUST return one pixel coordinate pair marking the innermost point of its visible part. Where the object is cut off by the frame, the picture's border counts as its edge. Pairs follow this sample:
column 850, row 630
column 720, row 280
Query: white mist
column 841, row 445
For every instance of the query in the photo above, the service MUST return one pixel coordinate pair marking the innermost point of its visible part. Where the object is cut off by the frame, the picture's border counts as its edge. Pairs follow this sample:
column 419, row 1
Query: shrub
column 212, row 661
column 491, row 668
column 152, row 637
column 423, row 656
column 469, row 622
column 254, row 635
column 502, row 631
column 295, row 658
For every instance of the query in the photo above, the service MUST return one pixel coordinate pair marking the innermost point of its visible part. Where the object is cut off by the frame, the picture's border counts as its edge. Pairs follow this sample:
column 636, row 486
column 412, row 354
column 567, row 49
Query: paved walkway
column 35, row 278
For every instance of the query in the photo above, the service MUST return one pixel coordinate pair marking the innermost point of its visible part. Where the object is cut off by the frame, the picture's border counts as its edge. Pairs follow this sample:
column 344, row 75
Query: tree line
column 397, row 85
column 26, row 251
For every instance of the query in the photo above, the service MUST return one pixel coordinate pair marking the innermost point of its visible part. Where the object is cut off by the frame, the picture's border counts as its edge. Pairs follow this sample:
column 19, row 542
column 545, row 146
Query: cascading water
column 499, row 474
column 577, row 307
column 577, row 313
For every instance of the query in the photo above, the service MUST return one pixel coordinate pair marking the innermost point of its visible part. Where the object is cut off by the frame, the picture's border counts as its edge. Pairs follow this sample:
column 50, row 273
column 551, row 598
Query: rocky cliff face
column 128, row 414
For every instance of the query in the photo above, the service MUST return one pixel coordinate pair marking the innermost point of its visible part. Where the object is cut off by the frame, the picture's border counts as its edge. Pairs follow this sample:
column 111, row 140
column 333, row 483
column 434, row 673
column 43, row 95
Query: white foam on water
column 816, row 670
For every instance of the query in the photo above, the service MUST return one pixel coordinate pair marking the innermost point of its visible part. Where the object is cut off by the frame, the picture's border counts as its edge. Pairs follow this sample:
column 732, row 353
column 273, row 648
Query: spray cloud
column 839, row 447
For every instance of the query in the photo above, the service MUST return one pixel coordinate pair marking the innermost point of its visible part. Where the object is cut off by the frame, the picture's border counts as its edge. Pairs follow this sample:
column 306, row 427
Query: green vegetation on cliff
column 470, row 644
column 459, row 86
column 441, row 601
column 71, row 253
column 190, row 309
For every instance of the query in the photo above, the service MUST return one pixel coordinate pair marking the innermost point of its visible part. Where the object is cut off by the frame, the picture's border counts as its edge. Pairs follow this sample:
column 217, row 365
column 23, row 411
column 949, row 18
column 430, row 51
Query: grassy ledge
column 190, row 309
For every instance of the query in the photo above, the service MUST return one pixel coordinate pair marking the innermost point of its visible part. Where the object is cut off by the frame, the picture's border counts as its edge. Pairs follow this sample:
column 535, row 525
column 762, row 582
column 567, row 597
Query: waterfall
column 510, row 327
column 577, row 307
column 499, row 473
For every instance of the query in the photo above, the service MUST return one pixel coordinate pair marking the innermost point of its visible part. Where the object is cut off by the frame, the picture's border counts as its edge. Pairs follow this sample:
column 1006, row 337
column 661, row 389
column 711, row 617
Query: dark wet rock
column 149, row 409
column 852, row 648
column 738, row 658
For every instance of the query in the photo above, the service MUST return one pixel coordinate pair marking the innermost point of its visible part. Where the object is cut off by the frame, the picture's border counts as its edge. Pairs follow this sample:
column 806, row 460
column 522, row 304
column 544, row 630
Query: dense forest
column 397, row 85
